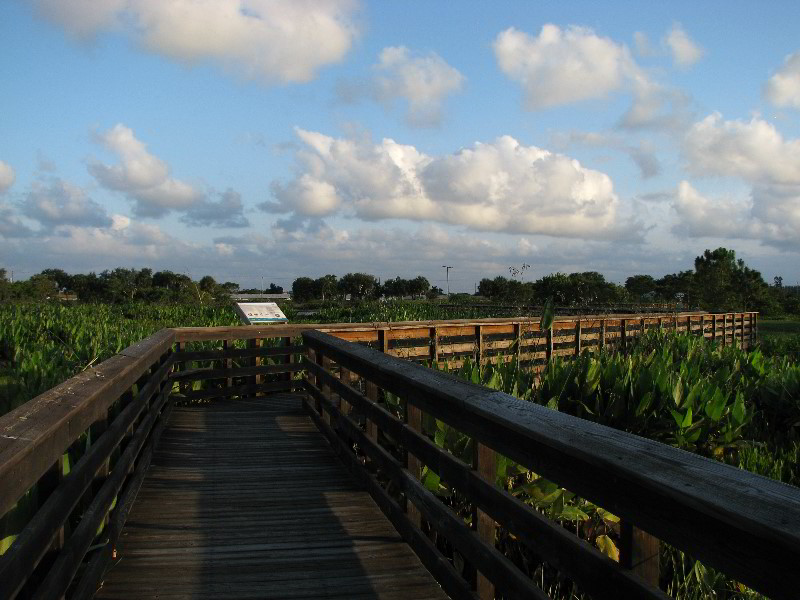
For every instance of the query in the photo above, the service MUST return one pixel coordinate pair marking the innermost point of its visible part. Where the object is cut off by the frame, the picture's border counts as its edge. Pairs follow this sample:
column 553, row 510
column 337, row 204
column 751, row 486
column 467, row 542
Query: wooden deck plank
column 244, row 499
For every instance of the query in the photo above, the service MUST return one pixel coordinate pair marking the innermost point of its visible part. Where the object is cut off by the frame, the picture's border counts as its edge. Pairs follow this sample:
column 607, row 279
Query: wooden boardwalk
column 245, row 499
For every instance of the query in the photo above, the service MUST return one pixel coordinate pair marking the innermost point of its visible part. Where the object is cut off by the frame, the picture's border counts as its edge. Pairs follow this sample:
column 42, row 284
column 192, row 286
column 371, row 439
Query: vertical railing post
column 287, row 359
column 227, row 362
column 258, row 361
column 325, row 363
column 311, row 356
column 725, row 329
column 623, row 335
column 186, row 385
column 251, row 380
column 383, row 341
column 433, row 332
column 485, row 463
column 372, row 427
column 578, row 337
column 413, row 417
column 96, row 430
column 346, row 377
column 46, row 486
column 548, row 353
column 602, row 334
column 714, row 328
column 479, row 347
column 639, row 552
column 125, row 399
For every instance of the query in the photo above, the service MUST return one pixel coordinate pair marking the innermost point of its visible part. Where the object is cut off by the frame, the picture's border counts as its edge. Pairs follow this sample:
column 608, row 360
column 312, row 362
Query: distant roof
column 284, row 296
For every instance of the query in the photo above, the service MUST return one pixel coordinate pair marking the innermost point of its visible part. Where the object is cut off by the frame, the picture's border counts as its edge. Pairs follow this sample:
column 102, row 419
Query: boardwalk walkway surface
column 245, row 499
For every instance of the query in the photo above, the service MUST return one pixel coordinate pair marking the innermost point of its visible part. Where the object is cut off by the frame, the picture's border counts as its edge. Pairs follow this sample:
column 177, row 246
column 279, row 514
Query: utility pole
column 447, row 274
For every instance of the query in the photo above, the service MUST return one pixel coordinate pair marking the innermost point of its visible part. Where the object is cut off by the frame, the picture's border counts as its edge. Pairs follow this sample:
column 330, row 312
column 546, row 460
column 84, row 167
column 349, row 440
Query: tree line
column 360, row 286
column 719, row 281
column 115, row 286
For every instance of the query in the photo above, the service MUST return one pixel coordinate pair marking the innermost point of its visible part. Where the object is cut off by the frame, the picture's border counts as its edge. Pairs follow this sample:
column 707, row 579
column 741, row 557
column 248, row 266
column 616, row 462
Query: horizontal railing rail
column 223, row 362
column 495, row 339
column 742, row 524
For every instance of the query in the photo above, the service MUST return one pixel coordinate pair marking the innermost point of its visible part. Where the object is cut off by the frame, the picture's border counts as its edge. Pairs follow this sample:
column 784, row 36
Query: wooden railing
column 67, row 456
column 744, row 525
column 72, row 459
column 491, row 340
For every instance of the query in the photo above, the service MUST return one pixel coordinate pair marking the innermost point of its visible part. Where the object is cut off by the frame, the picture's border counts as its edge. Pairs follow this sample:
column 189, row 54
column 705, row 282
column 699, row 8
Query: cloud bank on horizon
column 336, row 135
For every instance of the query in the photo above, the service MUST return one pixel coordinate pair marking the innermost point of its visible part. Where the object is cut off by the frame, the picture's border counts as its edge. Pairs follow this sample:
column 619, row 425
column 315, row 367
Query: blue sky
column 276, row 138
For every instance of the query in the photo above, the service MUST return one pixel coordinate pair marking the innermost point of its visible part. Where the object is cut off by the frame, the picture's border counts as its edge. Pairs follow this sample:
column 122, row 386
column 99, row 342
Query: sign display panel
column 259, row 313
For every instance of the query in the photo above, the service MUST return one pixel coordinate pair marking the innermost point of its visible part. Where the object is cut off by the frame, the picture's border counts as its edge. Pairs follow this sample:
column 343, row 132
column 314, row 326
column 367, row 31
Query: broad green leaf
column 607, row 547
column 607, row 516
column 677, row 392
column 431, row 480
column 573, row 513
column 644, row 404
column 548, row 314
column 739, row 411
column 557, row 507
column 687, row 419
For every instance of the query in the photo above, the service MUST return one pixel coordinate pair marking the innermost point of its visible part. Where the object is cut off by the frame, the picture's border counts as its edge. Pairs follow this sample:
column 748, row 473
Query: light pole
column 447, row 274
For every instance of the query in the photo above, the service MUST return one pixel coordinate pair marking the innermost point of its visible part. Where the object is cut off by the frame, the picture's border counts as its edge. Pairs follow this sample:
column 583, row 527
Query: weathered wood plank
column 245, row 499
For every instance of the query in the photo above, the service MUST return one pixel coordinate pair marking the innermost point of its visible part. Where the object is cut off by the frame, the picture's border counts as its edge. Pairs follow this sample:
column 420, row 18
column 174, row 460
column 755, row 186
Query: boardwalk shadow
column 245, row 500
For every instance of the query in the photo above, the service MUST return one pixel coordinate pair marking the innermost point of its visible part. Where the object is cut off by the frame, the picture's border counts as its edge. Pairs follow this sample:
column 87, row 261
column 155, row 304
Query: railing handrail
column 242, row 332
column 36, row 434
column 743, row 524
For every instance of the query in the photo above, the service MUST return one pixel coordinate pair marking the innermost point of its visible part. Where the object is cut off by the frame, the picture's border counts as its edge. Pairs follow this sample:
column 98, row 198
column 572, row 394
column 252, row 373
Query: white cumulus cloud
column 422, row 81
column 499, row 186
column 701, row 216
column 753, row 150
column 146, row 180
column 269, row 40
column 7, row 176
column 685, row 52
column 756, row 153
column 561, row 66
column 141, row 175
column 771, row 215
column 783, row 88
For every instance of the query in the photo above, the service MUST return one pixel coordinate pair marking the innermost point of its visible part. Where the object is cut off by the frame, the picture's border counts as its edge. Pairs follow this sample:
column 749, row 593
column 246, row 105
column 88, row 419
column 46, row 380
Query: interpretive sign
column 259, row 313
